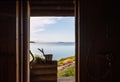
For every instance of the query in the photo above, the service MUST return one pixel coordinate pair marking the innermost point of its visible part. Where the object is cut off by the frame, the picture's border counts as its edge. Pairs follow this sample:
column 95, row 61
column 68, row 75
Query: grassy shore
column 61, row 61
column 66, row 68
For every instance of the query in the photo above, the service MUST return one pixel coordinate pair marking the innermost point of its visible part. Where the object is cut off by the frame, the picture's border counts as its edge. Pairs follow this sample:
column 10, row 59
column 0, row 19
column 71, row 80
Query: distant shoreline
column 32, row 42
column 51, row 42
column 54, row 43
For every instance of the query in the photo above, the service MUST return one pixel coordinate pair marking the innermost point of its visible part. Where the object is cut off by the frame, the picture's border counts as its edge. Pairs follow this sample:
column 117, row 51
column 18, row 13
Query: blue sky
column 52, row 29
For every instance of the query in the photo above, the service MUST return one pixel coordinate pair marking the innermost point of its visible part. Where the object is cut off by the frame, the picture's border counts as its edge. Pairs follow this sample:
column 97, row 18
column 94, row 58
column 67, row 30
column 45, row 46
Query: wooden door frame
column 77, row 39
column 23, row 35
column 22, row 40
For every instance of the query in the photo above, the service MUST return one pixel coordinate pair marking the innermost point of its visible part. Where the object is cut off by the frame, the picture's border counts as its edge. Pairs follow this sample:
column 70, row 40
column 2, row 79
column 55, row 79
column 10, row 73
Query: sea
column 58, row 49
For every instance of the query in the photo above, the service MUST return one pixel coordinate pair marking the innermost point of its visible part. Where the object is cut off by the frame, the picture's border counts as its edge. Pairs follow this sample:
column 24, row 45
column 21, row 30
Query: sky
column 52, row 29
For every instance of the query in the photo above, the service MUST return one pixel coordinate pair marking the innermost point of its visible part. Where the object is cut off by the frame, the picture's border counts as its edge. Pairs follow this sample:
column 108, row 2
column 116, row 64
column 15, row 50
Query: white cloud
column 39, row 30
column 42, row 21
column 37, row 24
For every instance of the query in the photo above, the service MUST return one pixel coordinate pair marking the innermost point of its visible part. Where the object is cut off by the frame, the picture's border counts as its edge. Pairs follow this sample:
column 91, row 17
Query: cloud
column 42, row 21
column 37, row 24
column 39, row 30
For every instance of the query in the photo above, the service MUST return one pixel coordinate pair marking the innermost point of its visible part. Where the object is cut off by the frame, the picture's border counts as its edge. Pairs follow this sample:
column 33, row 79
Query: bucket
column 48, row 57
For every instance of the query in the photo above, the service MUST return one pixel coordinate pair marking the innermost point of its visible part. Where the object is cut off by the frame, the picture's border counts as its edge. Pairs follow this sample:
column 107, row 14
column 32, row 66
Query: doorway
column 56, row 35
column 56, row 8
column 22, row 36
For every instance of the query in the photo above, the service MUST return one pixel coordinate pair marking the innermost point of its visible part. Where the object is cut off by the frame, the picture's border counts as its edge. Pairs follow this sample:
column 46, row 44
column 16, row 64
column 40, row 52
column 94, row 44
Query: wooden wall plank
column 7, row 41
column 99, row 40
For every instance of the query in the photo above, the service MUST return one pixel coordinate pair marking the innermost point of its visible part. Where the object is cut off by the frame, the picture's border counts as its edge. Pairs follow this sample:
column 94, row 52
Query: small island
column 32, row 42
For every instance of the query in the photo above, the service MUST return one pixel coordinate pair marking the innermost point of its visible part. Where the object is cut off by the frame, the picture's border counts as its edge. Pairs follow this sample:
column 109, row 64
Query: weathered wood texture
column 7, row 41
column 52, row 7
column 99, row 41
column 46, row 72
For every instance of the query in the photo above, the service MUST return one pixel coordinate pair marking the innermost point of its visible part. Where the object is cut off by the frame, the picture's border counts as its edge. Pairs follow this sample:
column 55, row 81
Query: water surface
column 58, row 49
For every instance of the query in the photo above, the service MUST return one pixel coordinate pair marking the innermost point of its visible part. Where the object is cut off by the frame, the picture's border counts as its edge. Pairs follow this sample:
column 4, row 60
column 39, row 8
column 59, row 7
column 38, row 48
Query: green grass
column 38, row 58
column 60, row 62
column 68, row 72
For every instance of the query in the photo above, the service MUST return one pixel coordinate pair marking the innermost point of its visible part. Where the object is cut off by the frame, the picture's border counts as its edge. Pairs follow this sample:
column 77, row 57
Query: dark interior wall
column 7, row 41
column 100, row 41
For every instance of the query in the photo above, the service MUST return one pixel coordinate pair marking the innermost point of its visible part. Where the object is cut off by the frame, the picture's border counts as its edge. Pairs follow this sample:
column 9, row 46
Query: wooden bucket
column 48, row 57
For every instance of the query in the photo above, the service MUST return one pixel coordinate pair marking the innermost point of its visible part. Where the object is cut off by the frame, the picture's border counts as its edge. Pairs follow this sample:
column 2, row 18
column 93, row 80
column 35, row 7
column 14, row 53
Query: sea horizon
column 52, row 42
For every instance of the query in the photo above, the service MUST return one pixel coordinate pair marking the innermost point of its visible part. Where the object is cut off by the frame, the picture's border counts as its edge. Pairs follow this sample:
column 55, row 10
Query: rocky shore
column 64, row 67
column 66, row 79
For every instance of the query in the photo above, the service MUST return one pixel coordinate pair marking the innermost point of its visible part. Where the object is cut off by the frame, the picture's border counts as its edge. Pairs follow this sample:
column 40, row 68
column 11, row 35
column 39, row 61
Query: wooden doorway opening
column 59, row 8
